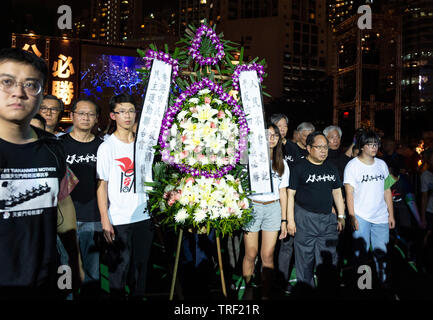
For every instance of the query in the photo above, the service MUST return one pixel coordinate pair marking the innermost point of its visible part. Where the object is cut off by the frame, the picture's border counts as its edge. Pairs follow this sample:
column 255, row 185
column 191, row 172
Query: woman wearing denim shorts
column 269, row 213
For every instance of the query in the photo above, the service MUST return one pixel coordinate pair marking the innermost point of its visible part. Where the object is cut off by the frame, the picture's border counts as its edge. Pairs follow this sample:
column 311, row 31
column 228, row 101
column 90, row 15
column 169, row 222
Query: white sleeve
column 103, row 162
column 350, row 174
column 285, row 178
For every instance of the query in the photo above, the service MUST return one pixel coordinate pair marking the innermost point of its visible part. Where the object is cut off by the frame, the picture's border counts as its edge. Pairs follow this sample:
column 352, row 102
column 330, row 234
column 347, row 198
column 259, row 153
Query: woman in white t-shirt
column 369, row 204
column 269, row 216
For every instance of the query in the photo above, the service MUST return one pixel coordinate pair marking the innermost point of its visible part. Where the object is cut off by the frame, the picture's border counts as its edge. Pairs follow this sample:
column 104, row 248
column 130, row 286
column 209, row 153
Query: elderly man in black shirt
column 314, row 185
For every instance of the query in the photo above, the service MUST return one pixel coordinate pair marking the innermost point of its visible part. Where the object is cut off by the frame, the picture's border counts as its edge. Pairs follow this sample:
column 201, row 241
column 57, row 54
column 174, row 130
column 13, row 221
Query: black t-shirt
column 81, row 158
column 339, row 160
column 314, row 185
column 30, row 176
column 293, row 153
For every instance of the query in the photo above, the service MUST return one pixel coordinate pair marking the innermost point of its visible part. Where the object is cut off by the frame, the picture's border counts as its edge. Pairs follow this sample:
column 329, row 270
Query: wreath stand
column 176, row 264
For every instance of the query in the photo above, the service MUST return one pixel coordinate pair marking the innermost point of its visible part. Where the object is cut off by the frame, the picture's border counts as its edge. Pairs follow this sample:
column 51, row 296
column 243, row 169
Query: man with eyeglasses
column 81, row 147
column 51, row 109
column 369, row 204
column 34, row 191
column 126, row 223
column 314, row 186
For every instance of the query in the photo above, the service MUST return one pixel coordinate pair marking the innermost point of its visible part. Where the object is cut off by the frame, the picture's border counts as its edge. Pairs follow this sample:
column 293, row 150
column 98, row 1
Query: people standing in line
column 314, row 186
column 51, row 110
column 81, row 147
column 35, row 204
column 369, row 204
column 125, row 219
column 285, row 246
column 269, row 217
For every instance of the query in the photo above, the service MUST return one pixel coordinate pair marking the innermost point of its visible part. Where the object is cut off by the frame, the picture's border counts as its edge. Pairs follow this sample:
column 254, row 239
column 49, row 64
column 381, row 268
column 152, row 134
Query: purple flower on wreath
column 171, row 113
column 247, row 67
column 162, row 56
column 194, row 50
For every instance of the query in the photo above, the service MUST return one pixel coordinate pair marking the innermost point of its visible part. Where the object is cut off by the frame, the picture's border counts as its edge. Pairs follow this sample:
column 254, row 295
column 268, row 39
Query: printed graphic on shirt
column 127, row 178
column 73, row 158
column 29, row 191
column 368, row 178
column 320, row 178
column 289, row 158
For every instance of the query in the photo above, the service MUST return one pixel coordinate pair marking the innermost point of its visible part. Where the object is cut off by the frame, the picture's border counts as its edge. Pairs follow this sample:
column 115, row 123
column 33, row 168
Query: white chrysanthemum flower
column 199, row 215
column 181, row 216
column 194, row 100
column 202, row 92
column 229, row 177
column 184, row 199
column 218, row 101
column 191, row 160
column 181, row 115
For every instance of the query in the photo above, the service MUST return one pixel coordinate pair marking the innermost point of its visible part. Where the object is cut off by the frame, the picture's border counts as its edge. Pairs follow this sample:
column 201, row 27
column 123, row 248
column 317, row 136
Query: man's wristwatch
column 341, row 216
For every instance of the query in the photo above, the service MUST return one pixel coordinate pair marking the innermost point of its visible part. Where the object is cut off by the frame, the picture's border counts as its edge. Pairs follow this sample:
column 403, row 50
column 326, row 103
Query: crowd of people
column 67, row 199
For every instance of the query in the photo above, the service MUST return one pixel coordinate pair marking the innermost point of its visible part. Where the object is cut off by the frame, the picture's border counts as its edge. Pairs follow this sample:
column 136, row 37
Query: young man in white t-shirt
column 369, row 204
column 126, row 223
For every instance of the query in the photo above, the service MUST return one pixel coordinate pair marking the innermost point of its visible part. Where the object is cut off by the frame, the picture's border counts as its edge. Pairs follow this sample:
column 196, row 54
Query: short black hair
column 120, row 98
column 368, row 136
column 312, row 136
column 22, row 56
column 74, row 105
column 60, row 101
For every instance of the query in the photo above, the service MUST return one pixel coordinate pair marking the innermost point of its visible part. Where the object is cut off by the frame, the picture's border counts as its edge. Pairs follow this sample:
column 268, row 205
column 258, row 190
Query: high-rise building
column 367, row 77
column 292, row 35
column 115, row 21
column 341, row 10
column 196, row 11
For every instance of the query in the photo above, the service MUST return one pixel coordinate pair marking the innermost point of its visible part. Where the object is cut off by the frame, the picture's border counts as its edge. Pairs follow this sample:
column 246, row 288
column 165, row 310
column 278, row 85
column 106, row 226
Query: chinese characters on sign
column 150, row 122
column 63, row 69
column 258, row 162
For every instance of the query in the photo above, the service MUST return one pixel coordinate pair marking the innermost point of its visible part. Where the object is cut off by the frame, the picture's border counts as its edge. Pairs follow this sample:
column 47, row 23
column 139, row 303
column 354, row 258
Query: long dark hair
column 277, row 152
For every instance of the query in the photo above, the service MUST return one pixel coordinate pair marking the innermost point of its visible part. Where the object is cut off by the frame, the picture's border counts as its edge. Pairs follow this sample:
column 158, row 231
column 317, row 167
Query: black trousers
column 316, row 240
column 128, row 258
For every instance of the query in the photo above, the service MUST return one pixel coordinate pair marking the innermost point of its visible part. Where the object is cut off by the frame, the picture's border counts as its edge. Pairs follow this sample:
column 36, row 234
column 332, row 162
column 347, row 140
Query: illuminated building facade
column 115, row 21
column 367, row 78
column 292, row 36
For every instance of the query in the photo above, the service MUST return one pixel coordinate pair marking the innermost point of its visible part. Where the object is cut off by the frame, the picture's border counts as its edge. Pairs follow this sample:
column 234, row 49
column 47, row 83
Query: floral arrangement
column 200, row 182
column 205, row 132
column 162, row 56
column 247, row 67
column 194, row 50
column 214, row 203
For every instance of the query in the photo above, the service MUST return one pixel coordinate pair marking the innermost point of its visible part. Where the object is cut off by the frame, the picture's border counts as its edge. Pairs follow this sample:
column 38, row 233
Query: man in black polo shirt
column 314, row 185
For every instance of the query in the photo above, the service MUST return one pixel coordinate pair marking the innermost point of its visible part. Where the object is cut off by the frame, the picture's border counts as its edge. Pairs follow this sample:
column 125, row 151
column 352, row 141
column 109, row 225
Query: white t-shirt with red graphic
column 115, row 164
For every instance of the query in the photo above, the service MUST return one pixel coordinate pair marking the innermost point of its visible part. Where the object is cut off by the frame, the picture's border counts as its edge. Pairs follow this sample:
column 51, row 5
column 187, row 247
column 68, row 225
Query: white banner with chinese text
column 258, row 158
column 154, row 107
